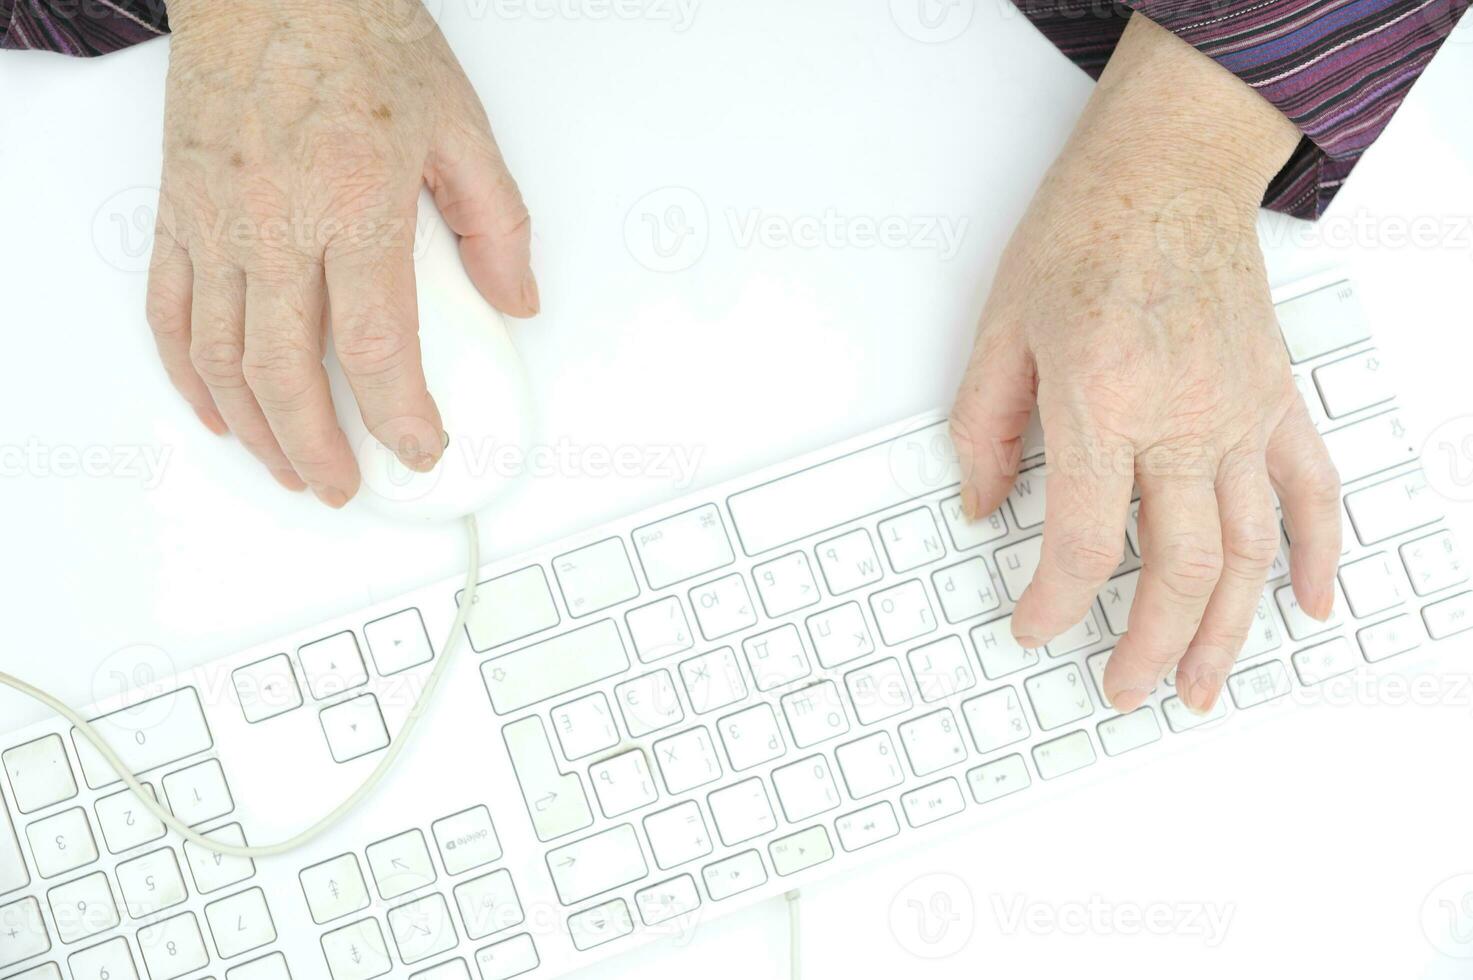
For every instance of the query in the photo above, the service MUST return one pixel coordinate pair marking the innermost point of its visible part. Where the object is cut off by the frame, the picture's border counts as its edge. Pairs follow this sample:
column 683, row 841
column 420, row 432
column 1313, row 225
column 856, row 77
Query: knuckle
column 1189, row 569
column 280, row 374
column 371, row 351
column 1089, row 553
column 1252, row 546
column 218, row 362
column 163, row 310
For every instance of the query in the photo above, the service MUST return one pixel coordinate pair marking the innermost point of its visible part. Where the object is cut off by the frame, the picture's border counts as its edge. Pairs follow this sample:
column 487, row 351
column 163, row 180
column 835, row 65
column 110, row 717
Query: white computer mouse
column 476, row 379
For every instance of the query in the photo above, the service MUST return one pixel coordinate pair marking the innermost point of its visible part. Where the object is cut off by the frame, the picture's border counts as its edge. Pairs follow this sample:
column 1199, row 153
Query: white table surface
column 1322, row 838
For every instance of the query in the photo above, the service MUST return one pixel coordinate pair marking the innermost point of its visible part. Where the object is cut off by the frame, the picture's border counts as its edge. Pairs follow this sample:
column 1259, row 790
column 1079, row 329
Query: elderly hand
column 1132, row 305
column 297, row 137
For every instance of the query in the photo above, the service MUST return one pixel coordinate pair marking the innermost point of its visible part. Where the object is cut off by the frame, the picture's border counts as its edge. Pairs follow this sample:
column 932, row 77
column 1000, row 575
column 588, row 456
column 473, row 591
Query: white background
column 1323, row 838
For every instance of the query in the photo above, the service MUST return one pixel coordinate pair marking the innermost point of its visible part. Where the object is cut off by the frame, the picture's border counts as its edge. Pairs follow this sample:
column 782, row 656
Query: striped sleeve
column 1337, row 68
column 80, row 27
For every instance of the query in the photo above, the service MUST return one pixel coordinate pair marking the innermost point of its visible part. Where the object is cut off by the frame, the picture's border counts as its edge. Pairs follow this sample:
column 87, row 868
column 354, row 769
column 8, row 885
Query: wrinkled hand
column 297, row 137
column 1132, row 306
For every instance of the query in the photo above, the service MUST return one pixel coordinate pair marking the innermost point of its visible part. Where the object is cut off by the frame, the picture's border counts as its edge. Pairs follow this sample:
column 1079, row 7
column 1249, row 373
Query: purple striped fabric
column 1338, row 68
column 80, row 27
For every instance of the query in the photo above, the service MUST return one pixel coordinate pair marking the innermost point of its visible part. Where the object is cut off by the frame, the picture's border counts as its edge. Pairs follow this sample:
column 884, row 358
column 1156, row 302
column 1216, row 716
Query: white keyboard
column 677, row 715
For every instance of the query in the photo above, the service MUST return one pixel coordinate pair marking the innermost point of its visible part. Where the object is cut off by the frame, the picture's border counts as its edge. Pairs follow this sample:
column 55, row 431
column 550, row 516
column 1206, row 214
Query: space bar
column 841, row 490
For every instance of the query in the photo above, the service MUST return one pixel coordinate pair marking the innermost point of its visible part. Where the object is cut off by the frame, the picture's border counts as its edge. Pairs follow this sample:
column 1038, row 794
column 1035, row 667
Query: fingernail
column 1028, row 641
column 289, row 479
column 1198, row 693
column 970, row 504
column 1127, row 700
column 419, row 460
column 531, row 296
column 211, row 420
column 330, row 496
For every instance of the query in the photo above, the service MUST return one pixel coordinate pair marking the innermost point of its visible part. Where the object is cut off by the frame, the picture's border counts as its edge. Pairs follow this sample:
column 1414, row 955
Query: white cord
column 369, row 785
column 795, row 961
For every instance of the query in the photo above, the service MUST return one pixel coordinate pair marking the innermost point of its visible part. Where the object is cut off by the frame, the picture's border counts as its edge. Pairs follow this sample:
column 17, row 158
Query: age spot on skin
column 383, row 112
column 236, row 160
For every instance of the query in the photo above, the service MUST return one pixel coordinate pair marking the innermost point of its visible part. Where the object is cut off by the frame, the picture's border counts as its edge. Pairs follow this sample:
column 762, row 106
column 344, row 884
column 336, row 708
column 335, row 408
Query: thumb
column 483, row 205
column 990, row 416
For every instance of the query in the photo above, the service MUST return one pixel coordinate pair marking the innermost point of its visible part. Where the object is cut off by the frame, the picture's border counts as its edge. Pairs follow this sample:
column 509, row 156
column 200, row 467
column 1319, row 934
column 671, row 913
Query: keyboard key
column 450, row 970
column 173, row 947
column 903, row 613
column 1395, row 506
column 24, row 930
column 335, row 888
column 649, row 703
column 1063, row 755
column 1116, row 598
column 46, row 971
column 398, row 642
column 510, row 607
column 941, row 669
column 1059, row 697
column 683, row 546
column 751, row 737
column 272, row 966
column 849, row 562
column 556, row 666
column 1125, row 733
column 998, row 651
column 333, row 665
column 1026, row 500
column 467, row 840
column 840, row 635
column 1322, row 321
column 111, row 960
column 786, row 584
column 1085, row 633
column 240, row 923
column 152, row 733
column 995, row 719
column 1319, row 663
column 595, row 577
column 422, row 929
column 776, row 657
column 805, row 788
column 663, row 902
column 677, row 835
column 971, row 534
column 354, row 728
column 1354, row 384
column 199, row 793
column 1452, row 615
column 878, row 691
column 932, row 742
column 869, row 765
column 931, row 803
column 13, row 873
column 742, row 811
column 911, row 540
column 1398, row 634
column 815, row 714
column 800, row 851
column 713, row 680
column 1184, row 719
column 1302, row 625
column 1365, row 448
column 687, row 760
column 1433, row 563
column 994, row 780
column 723, row 607
column 508, row 958
column 870, row 825
column 1263, row 634
column 588, row 867
column 357, row 951
column 151, row 883
column 488, row 904
column 1257, row 685
column 1373, row 585
column 585, row 726
column 600, row 924
column 622, row 783
column 265, row 689
column 83, row 907
column 213, row 871
column 965, row 590
column 401, row 864
column 40, row 775
column 659, row 629
column 1017, row 563
column 736, row 874
column 62, row 843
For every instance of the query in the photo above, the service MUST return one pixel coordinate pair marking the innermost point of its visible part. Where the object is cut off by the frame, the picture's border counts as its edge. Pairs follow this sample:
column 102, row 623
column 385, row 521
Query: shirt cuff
column 1337, row 69
column 83, row 29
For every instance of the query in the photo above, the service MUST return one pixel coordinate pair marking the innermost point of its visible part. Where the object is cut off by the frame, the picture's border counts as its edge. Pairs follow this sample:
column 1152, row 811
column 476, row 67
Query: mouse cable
column 396, row 747
column 795, row 960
